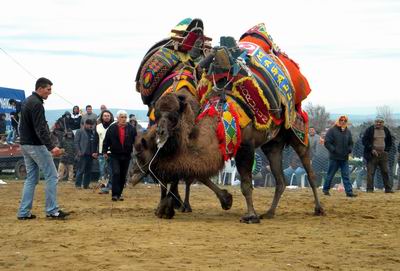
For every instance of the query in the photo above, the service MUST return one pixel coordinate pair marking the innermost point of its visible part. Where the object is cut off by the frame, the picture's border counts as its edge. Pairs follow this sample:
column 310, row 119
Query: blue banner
column 5, row 95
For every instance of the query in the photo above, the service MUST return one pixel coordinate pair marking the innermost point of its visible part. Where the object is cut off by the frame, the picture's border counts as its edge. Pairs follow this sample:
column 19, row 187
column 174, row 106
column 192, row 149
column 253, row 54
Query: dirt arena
column 356, row 234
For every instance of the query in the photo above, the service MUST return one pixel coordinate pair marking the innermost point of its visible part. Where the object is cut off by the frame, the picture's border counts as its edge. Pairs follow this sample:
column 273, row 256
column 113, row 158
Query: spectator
column 87, row 147
column 3, row 128
column 15, row 116
column 106, row 119
column 38, row 149
column 68, row 157
column 12, row 135
column 398, row 161
column 339, row 143
column 134, row 123
column 320, row 160
column 89, row 115
column 294, row 172
column 377, row 141
column 76, row 119
column 313, row 141
column 118, row 144
column 62, row 125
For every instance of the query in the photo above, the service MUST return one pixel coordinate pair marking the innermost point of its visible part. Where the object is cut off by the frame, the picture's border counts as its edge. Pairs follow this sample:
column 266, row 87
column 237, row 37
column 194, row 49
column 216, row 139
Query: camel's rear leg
column 273, row 151
column 304, row 155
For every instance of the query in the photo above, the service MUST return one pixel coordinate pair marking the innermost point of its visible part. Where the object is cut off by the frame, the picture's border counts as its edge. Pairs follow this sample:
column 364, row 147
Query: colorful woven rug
column 258, row 36
column 228, row 128
column 300, row 126
column 156, row 68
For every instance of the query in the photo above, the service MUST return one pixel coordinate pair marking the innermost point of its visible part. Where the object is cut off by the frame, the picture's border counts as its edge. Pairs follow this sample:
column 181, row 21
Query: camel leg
column 161, row 208
column 273, row 151
column 244, row 163
column 186, row 208
column 174, row 194
column 304, row 155
column 223, row 195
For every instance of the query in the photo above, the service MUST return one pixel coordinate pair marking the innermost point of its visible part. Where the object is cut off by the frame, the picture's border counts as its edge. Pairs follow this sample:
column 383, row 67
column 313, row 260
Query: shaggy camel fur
column 145, row 149
column 201, row 157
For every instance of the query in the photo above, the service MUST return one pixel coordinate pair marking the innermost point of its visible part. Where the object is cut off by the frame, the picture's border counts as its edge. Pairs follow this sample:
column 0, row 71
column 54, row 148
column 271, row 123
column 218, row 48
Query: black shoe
column 389, row 191
column 326, row 193
column 31, row 216
column 114, row 198
column 351, row 195
column 370, row 190
column 59, row 215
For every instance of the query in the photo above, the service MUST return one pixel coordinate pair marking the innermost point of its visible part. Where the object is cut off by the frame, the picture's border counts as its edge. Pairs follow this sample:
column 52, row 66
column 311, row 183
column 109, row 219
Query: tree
column 318, row 117
column 387, row 114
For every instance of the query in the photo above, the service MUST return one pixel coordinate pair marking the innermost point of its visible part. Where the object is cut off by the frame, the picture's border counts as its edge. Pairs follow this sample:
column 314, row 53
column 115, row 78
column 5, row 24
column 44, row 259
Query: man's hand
column 105, row 156
column 95, row 155
column 56, row 151
column 375, row 153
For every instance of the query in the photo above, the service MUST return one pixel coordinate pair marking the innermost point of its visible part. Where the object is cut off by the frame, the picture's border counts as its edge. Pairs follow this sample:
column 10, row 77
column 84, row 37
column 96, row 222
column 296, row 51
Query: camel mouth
column 161, row 141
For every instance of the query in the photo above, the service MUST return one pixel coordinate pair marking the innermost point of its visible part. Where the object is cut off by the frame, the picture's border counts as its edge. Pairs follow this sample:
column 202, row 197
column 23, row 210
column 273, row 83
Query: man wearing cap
column 377, row 141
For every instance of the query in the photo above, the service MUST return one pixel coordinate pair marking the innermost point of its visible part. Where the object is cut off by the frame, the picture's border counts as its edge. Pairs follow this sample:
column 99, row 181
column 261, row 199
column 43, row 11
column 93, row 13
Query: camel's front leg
column 244, row 162
column 223, row 195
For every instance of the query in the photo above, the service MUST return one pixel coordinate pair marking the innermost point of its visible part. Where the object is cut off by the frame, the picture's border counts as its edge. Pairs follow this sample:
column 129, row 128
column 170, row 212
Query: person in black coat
column 377, row 141
column 118, row 143
column 339, row 142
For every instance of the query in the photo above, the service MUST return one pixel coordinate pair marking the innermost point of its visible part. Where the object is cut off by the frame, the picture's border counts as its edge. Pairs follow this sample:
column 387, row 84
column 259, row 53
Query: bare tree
column 318, row 116
column 387, row 114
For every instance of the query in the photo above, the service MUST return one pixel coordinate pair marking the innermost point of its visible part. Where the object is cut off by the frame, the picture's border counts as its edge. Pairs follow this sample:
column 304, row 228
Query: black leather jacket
column 33, row 125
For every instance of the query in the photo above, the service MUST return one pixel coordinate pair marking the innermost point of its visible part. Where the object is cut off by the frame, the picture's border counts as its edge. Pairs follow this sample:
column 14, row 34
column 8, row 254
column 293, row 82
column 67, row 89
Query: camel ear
column 182, row 103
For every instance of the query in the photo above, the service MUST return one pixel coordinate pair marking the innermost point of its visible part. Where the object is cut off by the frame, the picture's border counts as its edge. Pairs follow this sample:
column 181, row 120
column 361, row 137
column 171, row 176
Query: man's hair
column 42, row 83
column 88, row 106
column 121, row 112
column 89, row 121
column 12, row 101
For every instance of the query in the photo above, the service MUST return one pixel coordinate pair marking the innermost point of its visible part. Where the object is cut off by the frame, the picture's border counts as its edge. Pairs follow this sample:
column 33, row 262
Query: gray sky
column 348, row 49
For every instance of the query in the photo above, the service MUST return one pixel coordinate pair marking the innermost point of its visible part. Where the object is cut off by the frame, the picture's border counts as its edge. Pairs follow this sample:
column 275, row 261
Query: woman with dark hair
column 105, row 120
column 76, row 118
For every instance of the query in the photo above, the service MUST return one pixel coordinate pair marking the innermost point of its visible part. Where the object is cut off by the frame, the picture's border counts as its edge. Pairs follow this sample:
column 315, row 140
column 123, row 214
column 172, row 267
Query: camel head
column 144, row 149
column 174, row 118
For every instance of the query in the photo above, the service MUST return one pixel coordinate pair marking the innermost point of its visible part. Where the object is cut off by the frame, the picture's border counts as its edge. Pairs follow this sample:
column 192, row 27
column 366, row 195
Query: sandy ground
column 356, row 234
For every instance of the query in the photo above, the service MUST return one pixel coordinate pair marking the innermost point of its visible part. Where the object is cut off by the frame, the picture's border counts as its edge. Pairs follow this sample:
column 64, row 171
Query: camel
column 155, row 77
column 199, row 157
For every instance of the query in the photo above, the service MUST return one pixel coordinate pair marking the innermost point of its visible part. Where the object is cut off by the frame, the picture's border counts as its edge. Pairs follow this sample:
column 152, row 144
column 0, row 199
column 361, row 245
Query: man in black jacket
column 339, row 142
column 118, row 144
column 377, row 141
column 38, row 149
column 87, row 149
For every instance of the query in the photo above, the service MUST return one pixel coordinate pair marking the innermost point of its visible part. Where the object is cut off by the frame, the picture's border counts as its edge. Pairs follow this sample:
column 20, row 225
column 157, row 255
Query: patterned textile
column 228, row 129
column 300, row 126
column 156, row 68
column 267, row 65
column 258, row 36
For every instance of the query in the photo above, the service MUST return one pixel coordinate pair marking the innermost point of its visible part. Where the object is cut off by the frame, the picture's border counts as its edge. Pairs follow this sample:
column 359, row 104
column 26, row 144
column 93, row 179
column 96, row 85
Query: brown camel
column 201, row 157
column 180, row 77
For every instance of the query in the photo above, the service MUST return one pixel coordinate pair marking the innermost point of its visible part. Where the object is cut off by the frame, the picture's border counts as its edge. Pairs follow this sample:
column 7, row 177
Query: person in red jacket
column 118, row 144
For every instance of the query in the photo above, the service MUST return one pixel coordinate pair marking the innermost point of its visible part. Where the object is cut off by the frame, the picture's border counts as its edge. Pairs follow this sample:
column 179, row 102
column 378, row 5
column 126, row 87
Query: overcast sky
column 349, row 50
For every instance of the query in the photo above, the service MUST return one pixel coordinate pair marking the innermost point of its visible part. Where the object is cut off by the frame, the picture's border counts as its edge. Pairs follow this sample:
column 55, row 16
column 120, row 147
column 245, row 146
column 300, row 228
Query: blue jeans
column 298, row 172
column 333, row 167
column 102, row 165
column 11, row 136
column 36, row 158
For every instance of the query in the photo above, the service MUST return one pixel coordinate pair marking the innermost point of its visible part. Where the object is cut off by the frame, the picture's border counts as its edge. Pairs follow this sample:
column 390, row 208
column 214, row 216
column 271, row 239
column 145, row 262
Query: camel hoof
column 186, row 208
column 319, row 211
column 252, row 219
column 166, row 208
column 226, row 200
column 267, row 215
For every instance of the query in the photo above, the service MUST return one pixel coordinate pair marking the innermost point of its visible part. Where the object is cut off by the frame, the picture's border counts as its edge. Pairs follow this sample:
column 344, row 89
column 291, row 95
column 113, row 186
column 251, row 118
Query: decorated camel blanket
column 258, row 36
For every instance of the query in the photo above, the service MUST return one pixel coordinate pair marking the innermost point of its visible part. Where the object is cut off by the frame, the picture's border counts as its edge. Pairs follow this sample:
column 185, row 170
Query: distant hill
column 53, row 115
column 357, row 119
